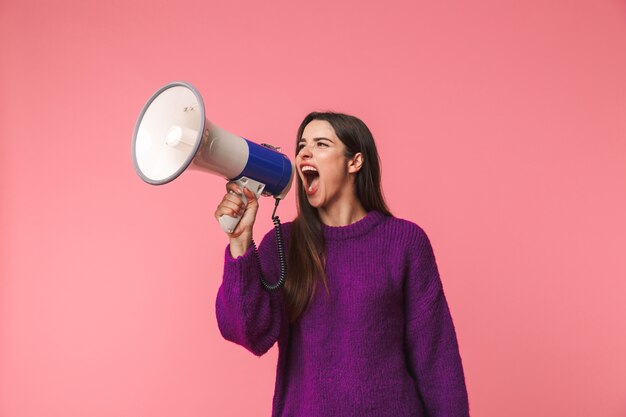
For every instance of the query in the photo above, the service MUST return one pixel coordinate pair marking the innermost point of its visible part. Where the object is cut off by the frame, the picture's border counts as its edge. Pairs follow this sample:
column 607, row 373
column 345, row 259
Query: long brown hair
column 306, row 257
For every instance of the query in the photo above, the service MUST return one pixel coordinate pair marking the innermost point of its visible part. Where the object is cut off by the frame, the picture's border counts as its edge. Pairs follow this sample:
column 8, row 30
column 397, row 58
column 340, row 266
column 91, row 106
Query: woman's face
column 322, row 165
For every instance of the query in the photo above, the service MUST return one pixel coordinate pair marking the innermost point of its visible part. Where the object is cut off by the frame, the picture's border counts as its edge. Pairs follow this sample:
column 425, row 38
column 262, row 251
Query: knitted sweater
column 381, row 343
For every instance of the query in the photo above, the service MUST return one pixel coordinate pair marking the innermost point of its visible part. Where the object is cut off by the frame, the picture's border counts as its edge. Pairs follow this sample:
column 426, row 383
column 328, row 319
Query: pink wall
column 502, row 129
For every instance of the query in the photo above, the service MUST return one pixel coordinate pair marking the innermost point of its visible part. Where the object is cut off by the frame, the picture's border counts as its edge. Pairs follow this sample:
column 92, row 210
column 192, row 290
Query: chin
column 314, row 203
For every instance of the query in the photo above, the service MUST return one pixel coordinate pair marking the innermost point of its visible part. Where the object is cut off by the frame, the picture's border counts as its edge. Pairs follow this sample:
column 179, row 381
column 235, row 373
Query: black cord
column 281, row 254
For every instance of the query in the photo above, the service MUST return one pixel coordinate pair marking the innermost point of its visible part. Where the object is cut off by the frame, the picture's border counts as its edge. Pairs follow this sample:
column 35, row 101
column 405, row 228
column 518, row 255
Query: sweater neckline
column 358, row 228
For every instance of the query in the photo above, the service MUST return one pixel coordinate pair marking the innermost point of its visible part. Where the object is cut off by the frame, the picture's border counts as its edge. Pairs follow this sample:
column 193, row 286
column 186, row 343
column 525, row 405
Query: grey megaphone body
column 172, row 134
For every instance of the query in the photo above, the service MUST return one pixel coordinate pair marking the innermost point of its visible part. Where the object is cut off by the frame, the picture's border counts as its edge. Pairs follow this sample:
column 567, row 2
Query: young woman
column 362, row 323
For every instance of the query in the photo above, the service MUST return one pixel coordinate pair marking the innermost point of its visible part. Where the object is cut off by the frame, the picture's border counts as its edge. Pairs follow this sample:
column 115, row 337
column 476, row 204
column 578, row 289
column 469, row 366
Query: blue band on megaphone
column 267, row 166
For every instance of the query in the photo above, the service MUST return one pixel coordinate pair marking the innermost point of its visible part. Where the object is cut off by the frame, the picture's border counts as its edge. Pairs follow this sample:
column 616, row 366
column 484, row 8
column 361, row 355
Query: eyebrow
column 315, row 140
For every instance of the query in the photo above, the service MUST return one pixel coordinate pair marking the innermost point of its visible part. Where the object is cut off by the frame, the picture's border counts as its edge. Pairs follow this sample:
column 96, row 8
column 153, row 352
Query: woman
column 362, row 324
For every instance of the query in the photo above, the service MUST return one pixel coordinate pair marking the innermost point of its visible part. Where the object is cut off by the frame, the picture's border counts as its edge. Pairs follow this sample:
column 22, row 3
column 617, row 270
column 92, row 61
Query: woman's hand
column 233, row 205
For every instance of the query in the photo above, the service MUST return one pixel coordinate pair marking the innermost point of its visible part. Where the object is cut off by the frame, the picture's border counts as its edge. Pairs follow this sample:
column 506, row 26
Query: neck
column 343, row 213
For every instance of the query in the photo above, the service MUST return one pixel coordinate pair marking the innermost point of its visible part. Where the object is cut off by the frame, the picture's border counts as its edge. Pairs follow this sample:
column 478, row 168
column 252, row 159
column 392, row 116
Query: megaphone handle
column 229, row 223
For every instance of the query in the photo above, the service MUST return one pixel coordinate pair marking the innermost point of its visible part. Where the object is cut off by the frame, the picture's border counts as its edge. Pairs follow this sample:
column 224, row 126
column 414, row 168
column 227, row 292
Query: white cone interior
column 175, row 109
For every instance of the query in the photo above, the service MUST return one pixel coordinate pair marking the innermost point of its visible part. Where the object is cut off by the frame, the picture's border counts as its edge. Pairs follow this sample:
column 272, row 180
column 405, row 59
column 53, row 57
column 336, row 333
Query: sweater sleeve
column 248, row 314
column 432, row 347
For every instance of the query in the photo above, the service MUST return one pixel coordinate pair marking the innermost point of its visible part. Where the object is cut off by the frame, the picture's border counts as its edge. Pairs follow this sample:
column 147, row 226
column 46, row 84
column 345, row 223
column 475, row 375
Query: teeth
column 308, row 168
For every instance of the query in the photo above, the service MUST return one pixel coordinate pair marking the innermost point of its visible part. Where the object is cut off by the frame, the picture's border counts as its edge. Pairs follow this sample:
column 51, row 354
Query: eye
column 322, row 144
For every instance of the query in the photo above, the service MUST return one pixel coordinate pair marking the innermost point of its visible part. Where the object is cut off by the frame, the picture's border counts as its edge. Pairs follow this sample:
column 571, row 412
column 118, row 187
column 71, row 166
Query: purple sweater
column 382, row 343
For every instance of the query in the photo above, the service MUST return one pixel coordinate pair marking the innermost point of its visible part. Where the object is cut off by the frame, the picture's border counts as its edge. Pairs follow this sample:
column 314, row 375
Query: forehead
column 318, row 129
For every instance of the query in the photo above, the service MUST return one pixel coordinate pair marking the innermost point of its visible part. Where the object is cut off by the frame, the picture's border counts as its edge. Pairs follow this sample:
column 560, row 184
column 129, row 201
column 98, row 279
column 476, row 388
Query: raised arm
column 247, row 314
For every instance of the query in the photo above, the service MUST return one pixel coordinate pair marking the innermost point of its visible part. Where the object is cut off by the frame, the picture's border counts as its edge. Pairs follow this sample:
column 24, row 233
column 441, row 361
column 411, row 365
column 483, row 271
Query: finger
column 233, row 198
column 234, row 187
column 230, row 208
column 233, row 205
column 223, row 211
column 228, row 213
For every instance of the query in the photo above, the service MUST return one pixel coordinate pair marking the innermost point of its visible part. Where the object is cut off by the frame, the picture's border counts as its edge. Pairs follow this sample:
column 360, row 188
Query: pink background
column 502, row 132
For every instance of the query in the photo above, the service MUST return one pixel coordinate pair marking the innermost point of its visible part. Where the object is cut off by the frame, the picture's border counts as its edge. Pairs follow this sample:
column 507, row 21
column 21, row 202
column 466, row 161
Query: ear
column 355, row 164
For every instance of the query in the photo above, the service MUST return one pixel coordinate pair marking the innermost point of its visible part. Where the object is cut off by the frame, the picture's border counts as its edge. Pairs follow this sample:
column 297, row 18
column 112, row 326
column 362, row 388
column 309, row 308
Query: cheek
column 335, row 172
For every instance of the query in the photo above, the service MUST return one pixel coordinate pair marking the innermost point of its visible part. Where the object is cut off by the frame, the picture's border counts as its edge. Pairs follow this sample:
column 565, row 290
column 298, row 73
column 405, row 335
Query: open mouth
column 311, row 180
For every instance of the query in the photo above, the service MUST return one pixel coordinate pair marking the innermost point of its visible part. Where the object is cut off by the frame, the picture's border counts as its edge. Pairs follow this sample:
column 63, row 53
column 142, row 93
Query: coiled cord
column 281, row 254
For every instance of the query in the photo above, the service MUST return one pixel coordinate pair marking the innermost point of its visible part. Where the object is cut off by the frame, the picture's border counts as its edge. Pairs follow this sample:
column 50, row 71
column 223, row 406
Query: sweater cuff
column 239, row 272
column 228, row 257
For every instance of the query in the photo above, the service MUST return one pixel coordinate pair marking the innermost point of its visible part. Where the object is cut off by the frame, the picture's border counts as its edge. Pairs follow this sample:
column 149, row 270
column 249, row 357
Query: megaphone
column 172, row 134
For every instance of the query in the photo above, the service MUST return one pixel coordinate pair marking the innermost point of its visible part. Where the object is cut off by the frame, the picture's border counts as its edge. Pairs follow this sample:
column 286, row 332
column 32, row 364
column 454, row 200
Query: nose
column 305, row 152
